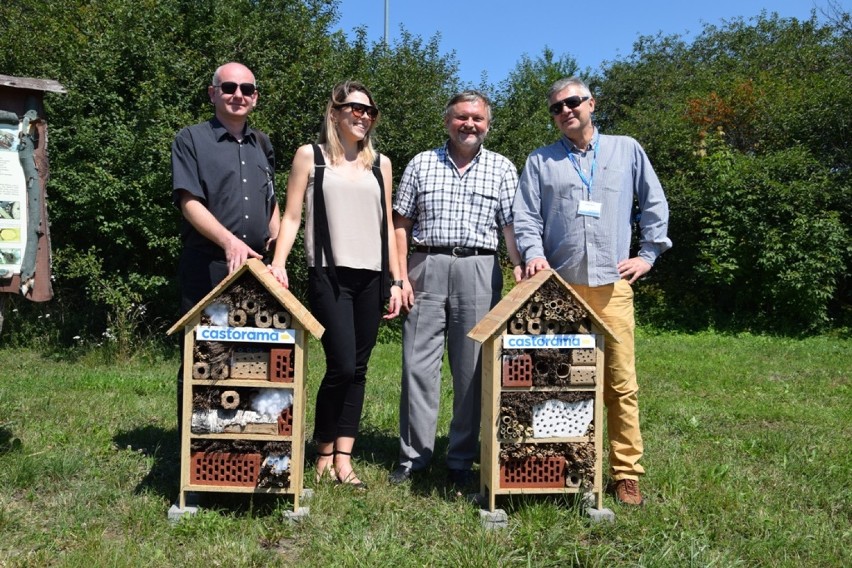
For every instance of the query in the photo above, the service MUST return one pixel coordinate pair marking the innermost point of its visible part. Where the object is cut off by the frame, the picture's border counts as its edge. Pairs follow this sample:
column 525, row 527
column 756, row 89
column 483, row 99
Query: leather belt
column 455, row 251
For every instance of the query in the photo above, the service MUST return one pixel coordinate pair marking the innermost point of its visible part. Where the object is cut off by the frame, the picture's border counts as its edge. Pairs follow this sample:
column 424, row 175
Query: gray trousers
column 451, row 295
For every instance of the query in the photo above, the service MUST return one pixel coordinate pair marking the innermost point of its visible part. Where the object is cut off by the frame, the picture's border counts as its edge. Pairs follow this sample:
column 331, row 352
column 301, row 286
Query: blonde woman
column 345, row 186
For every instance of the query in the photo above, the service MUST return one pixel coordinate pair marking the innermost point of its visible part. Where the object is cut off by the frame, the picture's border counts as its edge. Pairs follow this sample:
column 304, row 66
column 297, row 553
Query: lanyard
column 587, row 181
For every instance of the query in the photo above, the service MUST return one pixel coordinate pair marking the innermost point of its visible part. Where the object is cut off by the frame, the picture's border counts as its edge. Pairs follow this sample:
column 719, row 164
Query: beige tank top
column 354, row 213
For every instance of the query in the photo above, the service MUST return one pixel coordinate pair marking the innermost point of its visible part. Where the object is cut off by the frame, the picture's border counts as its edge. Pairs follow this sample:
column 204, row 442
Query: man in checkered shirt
column 452, row 203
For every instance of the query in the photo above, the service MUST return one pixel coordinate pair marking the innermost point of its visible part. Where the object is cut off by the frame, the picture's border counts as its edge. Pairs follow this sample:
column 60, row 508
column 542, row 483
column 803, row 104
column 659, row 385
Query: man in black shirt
column 223, row 174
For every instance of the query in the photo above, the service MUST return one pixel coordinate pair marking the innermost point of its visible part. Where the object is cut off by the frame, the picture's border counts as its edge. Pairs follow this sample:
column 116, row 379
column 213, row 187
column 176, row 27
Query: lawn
column 747, row 453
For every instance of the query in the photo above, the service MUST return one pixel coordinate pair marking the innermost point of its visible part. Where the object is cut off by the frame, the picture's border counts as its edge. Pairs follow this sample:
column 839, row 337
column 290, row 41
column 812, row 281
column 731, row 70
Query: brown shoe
column 627, row 492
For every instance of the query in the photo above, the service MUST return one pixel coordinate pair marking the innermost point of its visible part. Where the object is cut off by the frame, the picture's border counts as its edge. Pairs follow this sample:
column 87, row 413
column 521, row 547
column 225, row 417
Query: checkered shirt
column 451, row 210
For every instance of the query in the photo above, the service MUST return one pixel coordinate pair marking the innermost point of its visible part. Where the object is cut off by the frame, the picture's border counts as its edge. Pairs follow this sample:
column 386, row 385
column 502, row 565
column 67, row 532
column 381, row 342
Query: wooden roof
column 279, row 292
column 494, row 321
column 31, row 83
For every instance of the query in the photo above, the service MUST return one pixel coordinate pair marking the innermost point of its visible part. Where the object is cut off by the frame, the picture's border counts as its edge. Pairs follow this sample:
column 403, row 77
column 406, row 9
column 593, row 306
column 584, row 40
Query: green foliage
column 746, row 128
column 521, row 119
column 136, row 72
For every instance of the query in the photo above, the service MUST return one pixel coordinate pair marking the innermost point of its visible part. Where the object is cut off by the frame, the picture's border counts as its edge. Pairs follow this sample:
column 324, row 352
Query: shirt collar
column 444, row 154
column 573, row 147
column 220, row 132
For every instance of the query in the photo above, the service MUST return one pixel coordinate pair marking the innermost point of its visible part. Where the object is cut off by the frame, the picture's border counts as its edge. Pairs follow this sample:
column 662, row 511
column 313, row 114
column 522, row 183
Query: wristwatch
column 396, row 283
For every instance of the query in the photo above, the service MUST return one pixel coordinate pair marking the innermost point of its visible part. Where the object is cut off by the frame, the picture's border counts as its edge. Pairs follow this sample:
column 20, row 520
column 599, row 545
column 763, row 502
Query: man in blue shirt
column 573, row 212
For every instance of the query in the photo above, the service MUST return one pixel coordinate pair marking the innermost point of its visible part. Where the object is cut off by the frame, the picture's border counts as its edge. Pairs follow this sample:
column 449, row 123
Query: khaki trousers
column 614, row 305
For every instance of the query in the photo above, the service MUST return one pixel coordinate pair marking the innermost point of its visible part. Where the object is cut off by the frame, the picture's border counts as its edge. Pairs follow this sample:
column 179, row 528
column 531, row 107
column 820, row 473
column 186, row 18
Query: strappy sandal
column 327, row 472
column 351, row 478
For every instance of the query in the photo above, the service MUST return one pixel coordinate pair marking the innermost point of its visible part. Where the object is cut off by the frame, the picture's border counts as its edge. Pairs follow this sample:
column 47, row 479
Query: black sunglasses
column 229, row 88
column 570, row 102
column 358, row 110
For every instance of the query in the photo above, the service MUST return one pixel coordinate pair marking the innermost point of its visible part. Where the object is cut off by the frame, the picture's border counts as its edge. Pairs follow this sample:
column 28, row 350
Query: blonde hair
column 328, row 134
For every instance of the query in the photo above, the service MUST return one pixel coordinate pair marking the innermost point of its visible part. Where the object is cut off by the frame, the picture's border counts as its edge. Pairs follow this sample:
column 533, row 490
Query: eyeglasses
column 229, row 88
column 358, row 110
column 571, row 102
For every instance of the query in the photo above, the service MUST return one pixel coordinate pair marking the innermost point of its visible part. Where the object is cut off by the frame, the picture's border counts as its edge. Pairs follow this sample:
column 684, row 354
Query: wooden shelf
column 571, row 440
column 243, row 436
column 253, row 383
column 231, row 489
column 578, row 388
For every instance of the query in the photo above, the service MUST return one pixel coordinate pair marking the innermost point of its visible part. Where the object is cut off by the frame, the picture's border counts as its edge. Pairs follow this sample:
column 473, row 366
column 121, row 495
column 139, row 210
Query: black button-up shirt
column 234, row 180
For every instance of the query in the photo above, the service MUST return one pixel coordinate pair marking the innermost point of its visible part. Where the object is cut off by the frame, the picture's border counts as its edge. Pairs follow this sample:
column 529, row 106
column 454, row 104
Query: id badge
column 589, row 209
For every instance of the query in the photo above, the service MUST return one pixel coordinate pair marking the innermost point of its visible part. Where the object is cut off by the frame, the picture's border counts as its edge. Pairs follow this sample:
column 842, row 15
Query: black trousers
column 198, row 273
column 351, row 317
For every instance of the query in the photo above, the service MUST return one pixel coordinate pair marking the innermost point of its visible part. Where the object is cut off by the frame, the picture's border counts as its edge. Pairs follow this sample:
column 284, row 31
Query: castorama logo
column 244, row 334
column 572, row 341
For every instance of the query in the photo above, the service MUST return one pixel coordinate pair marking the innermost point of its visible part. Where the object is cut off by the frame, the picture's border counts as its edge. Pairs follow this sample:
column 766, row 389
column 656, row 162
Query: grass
column 747, row 453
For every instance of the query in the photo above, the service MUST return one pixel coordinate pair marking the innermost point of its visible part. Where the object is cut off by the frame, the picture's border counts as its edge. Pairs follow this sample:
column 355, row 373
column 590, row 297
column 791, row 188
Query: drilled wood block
column 582, row 356
column 582, row 376
column 249, row 364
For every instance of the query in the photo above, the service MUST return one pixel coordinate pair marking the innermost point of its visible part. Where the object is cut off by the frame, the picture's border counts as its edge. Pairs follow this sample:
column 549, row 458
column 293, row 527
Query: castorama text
column 573, row 341
column 244, row 334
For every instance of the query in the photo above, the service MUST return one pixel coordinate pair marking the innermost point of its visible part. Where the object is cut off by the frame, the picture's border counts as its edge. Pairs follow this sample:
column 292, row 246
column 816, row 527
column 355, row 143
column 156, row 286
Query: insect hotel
column 542, row 392
column 244, row 370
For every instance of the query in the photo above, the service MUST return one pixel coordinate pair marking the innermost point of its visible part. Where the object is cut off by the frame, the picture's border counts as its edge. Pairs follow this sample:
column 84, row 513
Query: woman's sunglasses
column 358, row 110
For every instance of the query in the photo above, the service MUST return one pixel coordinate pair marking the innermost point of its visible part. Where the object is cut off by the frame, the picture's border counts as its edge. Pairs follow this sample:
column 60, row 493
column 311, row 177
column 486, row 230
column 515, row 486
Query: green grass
column 747, row 452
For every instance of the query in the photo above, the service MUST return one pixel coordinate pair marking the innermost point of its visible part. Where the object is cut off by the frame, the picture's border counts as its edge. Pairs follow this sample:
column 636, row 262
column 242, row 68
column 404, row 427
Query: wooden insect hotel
column 542, row 392
column 244, row 369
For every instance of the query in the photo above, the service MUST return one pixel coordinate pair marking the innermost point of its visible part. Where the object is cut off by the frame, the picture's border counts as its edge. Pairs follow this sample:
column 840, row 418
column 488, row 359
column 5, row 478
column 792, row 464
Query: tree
column 136, row 71
column 746, row 128
column 521, row 119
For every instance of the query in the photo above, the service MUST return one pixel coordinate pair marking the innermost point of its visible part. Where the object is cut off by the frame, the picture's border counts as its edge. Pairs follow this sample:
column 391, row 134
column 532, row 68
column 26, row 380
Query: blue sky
column 491, row 36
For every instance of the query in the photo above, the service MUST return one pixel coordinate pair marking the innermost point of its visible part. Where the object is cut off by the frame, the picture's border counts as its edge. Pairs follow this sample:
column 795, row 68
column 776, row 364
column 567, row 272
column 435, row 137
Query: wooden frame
column 490, row 332
column 303, row 323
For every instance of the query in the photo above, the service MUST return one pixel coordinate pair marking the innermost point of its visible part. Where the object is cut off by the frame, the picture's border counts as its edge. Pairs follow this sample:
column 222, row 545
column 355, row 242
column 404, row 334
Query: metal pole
column 387, row 8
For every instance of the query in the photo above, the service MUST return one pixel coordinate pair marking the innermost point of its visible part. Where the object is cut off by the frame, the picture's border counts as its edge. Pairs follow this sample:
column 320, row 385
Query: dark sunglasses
column 358, row 110
column 229, row 88
column 570, row 102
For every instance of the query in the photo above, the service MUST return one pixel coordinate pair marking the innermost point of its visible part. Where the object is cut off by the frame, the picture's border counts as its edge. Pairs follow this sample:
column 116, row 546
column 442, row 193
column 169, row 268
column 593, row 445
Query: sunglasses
column 358, row 110
column 570, row 102
column 229, row 88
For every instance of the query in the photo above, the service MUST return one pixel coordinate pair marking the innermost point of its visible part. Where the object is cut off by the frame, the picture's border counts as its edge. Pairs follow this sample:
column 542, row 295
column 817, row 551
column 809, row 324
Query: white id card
column 589, row 209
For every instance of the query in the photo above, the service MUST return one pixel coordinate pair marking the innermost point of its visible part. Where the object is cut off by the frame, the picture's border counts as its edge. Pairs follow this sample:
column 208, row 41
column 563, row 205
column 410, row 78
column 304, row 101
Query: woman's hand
column 394, row 303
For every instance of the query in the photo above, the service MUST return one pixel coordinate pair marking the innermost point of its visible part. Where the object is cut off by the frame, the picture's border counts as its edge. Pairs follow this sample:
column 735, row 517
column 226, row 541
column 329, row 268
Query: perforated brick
column 282, row 364
column 517, row 370
column 223, row 468
column 285, row 422
column 533, row 472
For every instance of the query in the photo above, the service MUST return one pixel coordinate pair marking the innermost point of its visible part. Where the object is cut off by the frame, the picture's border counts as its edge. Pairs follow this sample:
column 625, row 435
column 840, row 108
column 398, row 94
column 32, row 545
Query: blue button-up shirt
column 585, row 249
